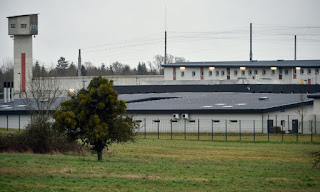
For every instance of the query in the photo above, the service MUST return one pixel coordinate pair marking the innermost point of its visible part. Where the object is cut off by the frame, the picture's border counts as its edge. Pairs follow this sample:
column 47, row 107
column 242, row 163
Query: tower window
column 309, row 71
column 264, row 72
column 33, row 26
column 222, row 72
column 23, row 25
column 182, row 73
column 286, row 71
column 256, row 72
column 13, row 25
column 217, row 73
column 250, row 72
column 243, row 72
column 210, row 73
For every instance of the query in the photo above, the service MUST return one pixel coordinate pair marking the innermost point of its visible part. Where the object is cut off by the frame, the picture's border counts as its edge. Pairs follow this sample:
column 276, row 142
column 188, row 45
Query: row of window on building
column 33, row 26
column 252, row 72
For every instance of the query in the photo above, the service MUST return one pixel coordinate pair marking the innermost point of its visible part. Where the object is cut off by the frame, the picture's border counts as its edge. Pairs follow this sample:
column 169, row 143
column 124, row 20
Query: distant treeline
column 64, row 68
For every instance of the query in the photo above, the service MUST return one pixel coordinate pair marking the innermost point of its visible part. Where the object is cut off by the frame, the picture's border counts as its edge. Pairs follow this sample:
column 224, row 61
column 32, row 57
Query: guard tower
column 21, row 28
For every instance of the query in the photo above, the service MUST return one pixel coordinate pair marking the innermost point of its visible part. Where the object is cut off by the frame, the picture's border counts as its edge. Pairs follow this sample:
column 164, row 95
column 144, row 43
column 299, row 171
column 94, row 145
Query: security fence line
column 211, row 129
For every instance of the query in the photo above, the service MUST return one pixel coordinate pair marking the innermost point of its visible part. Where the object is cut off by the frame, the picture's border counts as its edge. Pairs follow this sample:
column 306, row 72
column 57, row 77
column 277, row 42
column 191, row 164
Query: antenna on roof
column 250, row 41
column 165, row 33
column 295, row 47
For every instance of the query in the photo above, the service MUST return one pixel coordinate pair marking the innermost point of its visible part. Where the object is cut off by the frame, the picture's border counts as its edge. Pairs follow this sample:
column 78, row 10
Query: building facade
column 245, row 72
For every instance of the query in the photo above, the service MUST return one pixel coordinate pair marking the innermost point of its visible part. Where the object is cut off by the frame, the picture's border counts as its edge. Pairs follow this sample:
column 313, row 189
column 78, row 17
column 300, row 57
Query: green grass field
column 167, row 165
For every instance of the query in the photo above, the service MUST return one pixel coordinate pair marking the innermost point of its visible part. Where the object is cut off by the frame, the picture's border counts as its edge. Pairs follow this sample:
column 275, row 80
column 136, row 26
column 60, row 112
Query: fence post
column 212, row 129
column 268, row 128
column 145, row 128
column 315, row 124
column 7, row 123
column 288, row 123
column 158, row 129
column 282, row 132
column 226, row 131
column 19, row 122
column 185, row 129
column 262, row 123
column 171, row 127
column 310, row 124
column 254, row 130
column 297, row 133
column 240, row 128
column 198, row 129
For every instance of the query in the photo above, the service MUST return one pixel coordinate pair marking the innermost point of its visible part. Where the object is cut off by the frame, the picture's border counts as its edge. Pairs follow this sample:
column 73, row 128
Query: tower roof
column 23, row 15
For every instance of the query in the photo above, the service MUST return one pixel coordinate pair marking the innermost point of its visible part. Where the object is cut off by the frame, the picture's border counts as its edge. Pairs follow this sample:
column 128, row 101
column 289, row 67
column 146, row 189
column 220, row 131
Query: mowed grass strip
column 167, row 165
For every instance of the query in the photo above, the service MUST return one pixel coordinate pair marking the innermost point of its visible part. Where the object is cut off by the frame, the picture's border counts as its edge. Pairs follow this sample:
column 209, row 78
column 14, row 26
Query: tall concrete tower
column 22, row 28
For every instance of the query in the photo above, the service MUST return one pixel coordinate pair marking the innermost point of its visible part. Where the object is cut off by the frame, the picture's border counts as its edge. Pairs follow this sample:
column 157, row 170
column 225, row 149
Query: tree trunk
column 99, row 155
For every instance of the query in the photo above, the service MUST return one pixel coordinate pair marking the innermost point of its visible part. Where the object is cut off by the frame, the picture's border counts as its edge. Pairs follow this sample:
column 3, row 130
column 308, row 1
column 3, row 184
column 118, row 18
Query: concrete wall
column 12, row 121
column 22, row 44
column 248, row 123
column 233, row 123
column 77, row 83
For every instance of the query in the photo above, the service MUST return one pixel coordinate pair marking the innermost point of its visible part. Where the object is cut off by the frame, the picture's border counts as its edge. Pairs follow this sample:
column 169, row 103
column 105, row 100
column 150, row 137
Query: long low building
column 188, row 112
column 245, row 72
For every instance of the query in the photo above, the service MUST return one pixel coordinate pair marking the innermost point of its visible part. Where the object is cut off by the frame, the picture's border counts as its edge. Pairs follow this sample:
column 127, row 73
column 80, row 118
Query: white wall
column 13, row 121
column 260, row 78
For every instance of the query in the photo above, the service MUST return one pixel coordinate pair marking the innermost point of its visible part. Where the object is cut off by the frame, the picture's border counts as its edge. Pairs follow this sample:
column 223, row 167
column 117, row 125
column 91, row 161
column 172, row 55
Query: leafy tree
column 96, row 116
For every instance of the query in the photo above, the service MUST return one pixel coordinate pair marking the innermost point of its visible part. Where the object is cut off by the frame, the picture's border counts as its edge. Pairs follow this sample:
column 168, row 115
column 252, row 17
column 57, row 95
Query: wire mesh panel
column 219, row 129
column 178, row 129
column 205, row 129
column 164, row 129
column 192, row 129
column 3, row 121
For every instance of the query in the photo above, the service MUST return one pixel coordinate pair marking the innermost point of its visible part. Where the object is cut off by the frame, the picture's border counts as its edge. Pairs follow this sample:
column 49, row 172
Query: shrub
column 39, row 137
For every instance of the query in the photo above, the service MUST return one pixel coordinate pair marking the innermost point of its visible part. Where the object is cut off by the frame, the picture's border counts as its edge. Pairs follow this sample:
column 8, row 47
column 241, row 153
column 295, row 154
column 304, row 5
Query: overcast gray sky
column 130, row 31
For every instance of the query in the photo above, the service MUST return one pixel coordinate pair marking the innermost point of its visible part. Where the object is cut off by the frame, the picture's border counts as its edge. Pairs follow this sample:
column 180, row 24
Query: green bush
column 39, row 137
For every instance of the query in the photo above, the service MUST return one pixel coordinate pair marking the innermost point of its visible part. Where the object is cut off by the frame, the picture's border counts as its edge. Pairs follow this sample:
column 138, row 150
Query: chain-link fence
column 269, row 128
column 291, row 129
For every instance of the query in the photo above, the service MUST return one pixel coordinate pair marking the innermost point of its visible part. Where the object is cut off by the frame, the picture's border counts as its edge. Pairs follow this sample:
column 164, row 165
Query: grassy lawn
column 167, row 165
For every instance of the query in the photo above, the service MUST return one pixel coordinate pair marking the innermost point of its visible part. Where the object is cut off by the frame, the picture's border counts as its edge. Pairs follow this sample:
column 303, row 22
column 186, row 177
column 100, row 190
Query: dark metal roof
column 19, row 106
column 315, row 95
column 200, row 102
column 212, row 102
column 278, row 63
column 23, row 15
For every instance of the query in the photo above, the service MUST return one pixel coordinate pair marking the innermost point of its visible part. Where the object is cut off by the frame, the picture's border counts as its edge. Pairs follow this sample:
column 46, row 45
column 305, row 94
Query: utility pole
column 250, row 41
column 79, row 63
column 295, row 47
column 165, row 47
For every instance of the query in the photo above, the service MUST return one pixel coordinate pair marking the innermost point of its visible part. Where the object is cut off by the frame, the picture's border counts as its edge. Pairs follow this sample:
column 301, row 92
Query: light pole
column 20, row 86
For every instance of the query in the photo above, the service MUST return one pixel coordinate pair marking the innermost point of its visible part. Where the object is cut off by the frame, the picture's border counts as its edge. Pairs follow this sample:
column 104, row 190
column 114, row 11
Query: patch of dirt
column 277, row 179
